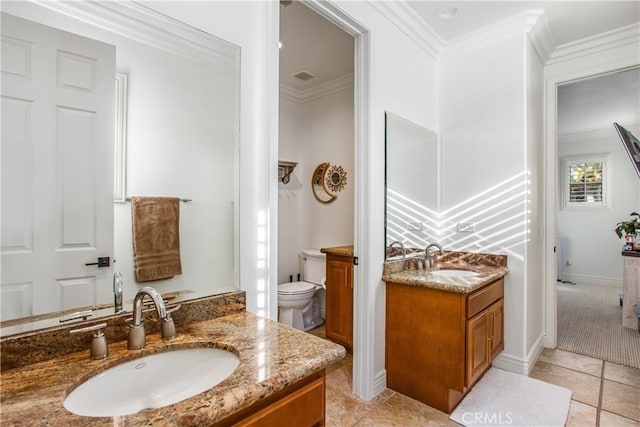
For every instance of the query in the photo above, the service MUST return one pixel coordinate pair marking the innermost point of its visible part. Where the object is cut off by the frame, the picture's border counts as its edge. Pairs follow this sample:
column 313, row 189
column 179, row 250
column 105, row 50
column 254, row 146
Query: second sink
column 152, row 381
column 454, row 273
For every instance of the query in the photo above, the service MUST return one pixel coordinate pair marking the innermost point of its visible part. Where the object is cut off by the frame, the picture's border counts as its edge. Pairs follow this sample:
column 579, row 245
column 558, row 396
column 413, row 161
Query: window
column 585, row 182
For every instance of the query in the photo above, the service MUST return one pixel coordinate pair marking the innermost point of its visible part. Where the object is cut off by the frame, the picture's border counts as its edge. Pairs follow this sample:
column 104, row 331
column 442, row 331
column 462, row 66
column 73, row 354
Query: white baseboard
column 592, row 280
column 535, row 352
column 511, row 363
column 518, row 365
column 380, row 382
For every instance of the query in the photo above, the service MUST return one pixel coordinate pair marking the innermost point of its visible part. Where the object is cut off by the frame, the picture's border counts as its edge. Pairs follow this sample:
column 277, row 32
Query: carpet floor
column 590, row 323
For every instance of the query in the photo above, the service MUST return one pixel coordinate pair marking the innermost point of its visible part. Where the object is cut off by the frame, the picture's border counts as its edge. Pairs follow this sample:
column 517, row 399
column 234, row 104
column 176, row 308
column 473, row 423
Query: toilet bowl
column 298, row 302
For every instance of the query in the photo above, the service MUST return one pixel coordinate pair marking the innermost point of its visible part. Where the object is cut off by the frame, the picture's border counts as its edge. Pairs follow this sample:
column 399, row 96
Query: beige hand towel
column 156, row 238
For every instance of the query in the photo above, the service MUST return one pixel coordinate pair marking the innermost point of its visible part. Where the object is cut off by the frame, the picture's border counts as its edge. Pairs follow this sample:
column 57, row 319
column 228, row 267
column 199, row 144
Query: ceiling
column 311, row 43
column 568, row 20
column 595, row 104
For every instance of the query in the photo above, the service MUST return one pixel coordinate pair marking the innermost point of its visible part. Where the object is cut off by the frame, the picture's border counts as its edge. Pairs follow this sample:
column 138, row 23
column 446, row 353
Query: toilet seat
column 295, row 288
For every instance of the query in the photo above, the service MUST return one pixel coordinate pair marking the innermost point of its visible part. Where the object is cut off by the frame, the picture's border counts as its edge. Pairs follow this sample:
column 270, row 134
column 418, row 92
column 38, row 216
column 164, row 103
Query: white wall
column 290, row 195
column 535, row 245
column 180, row 143
column 588, row 239
column 328, row 137
column 487, row 119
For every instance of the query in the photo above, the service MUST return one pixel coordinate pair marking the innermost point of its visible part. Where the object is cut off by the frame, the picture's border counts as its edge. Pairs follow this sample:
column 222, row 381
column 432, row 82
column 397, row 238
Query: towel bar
column 128, row 199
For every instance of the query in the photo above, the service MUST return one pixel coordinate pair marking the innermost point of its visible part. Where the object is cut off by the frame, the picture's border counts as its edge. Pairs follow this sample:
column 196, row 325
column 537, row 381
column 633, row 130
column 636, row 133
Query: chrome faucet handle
column 99, row 347
column 168, row 326
column 78, row 315
column 172, row 309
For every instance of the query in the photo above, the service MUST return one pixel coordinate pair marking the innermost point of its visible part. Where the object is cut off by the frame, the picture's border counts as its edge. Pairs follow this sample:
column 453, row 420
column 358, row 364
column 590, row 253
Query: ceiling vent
column 303, row 75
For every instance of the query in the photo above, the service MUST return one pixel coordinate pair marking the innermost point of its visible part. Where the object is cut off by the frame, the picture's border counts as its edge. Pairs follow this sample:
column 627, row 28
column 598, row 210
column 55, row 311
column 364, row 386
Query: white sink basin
column 152, row 381
column 455, row 273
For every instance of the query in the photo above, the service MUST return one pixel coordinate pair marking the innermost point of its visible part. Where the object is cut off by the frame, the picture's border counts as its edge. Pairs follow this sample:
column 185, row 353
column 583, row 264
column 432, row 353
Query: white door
column 57, row 168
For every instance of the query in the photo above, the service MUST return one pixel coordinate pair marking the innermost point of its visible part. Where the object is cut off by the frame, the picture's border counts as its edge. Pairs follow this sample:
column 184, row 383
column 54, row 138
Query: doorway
column 363, row 344
column 597, row 188
column 558, row 76
column 316, row 143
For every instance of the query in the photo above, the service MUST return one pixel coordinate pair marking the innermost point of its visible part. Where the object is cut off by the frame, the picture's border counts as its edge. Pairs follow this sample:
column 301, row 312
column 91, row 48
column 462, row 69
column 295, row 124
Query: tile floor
column 603, row 394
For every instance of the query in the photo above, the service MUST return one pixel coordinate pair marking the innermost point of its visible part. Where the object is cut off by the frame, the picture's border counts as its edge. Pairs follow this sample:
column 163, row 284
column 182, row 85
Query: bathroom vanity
column 280, row 378
column 443, row 331
column 339, row 318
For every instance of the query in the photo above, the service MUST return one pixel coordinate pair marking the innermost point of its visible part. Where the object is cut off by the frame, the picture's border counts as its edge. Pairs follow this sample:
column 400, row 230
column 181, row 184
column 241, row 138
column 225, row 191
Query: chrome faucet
column 428, row 254
column 137, row 337
column 399, row 243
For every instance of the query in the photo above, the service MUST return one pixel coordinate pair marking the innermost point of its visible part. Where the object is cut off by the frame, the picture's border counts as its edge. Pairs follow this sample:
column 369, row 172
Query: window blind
column 585, row 182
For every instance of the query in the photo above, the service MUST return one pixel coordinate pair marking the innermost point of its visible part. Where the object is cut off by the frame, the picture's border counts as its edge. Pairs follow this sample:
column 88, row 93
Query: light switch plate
column 414, row 226
column 466, row 227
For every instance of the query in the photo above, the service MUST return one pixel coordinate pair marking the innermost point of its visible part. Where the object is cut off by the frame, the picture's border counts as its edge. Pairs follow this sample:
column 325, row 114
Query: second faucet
column 428, row 255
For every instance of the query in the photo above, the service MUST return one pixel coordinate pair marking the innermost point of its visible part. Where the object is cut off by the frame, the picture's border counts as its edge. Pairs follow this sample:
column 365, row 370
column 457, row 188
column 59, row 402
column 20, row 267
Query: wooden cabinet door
column 339, row 322
column 305, row 408
column 478, row 355
column 496, row 326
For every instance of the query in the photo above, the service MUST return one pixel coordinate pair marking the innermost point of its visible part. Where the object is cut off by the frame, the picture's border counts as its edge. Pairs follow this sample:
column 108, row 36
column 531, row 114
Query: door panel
column 339, row 322
column 477, row 346
column 57, row 168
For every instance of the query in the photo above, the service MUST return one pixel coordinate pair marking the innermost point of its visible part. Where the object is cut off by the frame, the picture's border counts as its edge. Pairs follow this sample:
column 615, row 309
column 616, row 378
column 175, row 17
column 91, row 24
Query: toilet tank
column 312, row 265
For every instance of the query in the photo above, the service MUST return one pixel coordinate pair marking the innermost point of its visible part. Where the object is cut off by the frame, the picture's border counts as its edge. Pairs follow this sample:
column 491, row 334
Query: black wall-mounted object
column 632, row 145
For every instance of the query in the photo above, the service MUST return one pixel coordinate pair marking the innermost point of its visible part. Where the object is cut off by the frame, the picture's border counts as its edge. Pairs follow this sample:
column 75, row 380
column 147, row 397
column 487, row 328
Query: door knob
column 102, row 262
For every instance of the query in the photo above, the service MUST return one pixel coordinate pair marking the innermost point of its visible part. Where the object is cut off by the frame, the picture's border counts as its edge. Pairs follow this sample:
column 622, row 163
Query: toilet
column 299, row 302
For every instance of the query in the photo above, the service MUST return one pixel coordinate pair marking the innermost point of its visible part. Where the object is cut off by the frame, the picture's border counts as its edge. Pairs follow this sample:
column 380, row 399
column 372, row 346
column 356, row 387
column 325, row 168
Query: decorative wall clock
column 336, row 178
column 326, row 181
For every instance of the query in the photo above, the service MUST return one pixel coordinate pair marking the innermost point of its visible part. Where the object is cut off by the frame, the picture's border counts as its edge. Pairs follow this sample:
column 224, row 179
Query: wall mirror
column 182, row 140
column 411, row 181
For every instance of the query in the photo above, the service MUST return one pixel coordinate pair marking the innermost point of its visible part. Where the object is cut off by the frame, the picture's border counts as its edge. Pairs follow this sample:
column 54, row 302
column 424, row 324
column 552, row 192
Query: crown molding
column 541, row 38
column 591, row 135
column 147, row 26
column 531, row 22
column 600, row 42
column 316, row 92
column 404, row 18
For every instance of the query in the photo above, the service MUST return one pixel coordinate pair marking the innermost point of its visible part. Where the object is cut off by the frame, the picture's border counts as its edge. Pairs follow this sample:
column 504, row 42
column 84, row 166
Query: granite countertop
column 411, row 271
column 272, row 356
column 631, row 253
column 338, row 250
